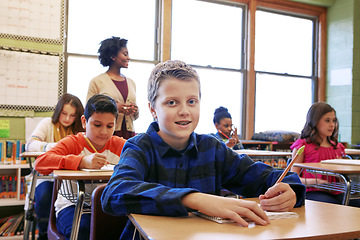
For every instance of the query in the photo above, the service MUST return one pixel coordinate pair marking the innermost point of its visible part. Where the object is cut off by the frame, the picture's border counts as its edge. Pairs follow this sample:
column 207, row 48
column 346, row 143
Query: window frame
column 162, row 50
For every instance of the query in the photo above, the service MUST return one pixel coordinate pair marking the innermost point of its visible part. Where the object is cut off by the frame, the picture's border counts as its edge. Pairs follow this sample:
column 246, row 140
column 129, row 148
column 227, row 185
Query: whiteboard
column 34, row 20
column 30, row 81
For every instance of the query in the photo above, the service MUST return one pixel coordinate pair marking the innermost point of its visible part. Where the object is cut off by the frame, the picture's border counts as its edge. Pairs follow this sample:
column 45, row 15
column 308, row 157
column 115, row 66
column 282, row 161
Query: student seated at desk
column 94, row 149
column 170, row 169
column 226, row 131
column 319, row 136
column 64, row 121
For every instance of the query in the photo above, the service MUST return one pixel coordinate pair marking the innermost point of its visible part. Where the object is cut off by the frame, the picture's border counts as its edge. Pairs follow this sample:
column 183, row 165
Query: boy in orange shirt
column 92, row 149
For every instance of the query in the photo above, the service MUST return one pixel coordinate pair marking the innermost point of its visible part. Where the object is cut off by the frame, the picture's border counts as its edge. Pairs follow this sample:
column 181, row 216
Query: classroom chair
column 52, row 231
column 103, row 225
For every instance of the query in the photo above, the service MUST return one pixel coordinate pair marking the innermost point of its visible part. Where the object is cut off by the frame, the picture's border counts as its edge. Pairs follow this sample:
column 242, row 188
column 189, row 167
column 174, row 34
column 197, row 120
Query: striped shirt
column 152, row 177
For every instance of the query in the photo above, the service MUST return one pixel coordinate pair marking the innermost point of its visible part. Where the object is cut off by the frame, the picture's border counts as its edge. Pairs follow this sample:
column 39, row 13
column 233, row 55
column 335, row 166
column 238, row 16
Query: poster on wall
column 29, row 81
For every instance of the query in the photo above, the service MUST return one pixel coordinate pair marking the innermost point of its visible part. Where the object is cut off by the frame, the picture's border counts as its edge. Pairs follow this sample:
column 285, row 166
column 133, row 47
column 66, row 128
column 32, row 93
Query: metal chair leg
column 30, row 221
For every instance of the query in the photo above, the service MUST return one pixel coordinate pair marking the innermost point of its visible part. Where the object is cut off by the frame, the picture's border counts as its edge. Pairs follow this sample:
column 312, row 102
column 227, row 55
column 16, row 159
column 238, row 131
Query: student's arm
column 128, row 192
column 65, row 155
column 39, row 140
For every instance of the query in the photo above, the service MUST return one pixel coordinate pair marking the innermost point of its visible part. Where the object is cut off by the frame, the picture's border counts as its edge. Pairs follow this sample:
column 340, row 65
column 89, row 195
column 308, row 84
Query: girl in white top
column 66, row 120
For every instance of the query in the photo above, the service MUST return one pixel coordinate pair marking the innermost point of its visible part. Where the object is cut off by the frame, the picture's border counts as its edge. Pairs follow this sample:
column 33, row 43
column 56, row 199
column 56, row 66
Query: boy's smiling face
column 99, row 128
column 177, row 109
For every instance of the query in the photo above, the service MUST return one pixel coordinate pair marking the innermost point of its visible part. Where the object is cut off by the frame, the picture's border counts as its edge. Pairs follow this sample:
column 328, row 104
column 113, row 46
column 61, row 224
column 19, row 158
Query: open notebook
column 271, row 215
column 106, row 168
column 342, row 161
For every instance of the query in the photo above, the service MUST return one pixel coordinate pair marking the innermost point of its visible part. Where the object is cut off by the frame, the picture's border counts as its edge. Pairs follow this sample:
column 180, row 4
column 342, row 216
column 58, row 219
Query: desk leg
column 30, row 221
column 78, row 210
column 347, row 190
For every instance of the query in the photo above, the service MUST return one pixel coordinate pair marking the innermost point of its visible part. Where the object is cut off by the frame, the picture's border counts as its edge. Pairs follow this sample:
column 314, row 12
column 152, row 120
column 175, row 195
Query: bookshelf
column 15, row 205
column 17, row 170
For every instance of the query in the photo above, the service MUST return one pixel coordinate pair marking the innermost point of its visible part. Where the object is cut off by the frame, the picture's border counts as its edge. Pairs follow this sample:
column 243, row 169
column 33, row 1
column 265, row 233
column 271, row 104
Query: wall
column 17, row 125
column 343, row 67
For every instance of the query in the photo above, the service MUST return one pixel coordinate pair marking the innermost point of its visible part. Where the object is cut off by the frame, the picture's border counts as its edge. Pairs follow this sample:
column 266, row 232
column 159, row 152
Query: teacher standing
column 113, row 53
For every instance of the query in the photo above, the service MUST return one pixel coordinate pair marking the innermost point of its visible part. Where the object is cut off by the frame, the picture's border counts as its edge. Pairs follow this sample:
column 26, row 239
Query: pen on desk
column 298, row 153
column 223, row 134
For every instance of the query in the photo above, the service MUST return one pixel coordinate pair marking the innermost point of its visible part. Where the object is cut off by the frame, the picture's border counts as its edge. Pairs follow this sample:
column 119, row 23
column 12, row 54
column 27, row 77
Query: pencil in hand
column 298, row 153
column 90, row 144
column 221, row 132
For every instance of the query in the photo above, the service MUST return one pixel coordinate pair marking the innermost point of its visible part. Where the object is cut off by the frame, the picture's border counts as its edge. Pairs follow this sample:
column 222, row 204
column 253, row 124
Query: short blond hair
column 167, row 70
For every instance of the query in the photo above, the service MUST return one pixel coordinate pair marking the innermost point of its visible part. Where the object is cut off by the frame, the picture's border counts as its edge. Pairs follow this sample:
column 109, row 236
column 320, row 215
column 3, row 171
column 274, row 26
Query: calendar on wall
column 31, row 54
column 30, row 81
column 32, row 20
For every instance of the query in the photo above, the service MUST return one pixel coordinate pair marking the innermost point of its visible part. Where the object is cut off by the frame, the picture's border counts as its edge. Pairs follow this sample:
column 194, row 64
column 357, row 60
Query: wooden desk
column 352, row 152
column 79, row 195
column 317, row 220
column 349, row 174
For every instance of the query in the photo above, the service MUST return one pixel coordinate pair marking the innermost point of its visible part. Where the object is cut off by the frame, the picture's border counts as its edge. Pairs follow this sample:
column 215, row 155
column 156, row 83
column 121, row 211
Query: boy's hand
column 93, row 161
column 224, row 207
column 278, row 198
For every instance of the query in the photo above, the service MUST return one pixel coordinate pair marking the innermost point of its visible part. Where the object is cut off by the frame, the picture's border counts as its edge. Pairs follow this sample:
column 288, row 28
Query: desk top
column 31, row 154
column 251, row 152
column 82, row 175
column 334, row 168
column 317, row 220
column 350, row 151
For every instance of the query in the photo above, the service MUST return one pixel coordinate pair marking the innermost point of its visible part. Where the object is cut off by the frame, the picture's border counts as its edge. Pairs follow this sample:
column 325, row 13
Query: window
column 216, row 37
column 87, row 27
column 284, row 65
column 215, row 51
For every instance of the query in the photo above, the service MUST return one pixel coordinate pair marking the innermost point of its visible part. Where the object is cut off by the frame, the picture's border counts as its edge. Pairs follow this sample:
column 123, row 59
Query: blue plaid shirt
column 152, row 177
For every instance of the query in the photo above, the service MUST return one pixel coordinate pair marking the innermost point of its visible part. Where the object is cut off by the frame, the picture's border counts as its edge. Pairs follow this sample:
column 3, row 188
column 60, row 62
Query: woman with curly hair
column 113, row 53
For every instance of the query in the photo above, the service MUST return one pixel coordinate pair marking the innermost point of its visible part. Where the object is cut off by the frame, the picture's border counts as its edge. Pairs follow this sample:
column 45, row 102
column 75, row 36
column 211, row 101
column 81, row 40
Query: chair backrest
column 103, row 225
column 52, row 231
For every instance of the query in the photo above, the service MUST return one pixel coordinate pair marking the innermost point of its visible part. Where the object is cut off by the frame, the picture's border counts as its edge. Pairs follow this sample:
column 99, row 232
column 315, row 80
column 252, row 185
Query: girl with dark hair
column 226, row 131
column 66, row 120
column 113, row 53
column 319, row 136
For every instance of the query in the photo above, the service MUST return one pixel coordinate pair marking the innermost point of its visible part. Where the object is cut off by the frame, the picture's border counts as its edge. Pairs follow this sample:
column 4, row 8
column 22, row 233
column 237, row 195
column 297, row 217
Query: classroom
column 266, row 61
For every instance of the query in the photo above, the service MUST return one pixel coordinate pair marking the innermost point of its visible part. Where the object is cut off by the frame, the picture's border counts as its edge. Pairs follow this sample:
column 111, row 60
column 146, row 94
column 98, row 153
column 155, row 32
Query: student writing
column 170, row 169
column 73, row 153
column 64, row 121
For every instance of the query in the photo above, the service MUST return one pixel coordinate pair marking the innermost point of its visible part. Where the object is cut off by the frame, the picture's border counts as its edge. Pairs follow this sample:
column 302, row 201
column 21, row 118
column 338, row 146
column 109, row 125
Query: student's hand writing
column 278, row 198
column 226, row 208
column 93, row 161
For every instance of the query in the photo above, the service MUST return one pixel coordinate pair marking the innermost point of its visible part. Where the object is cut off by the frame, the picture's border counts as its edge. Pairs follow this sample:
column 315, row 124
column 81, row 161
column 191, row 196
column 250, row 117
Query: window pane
column 281, row 102
column 283, row 44
column 90, row 22
column 81, row 70
column 206, row 33
column 219, row 88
